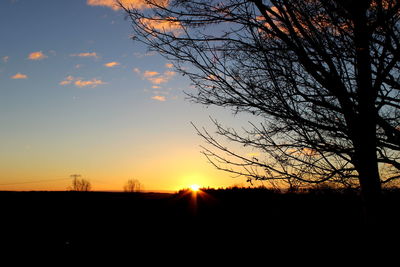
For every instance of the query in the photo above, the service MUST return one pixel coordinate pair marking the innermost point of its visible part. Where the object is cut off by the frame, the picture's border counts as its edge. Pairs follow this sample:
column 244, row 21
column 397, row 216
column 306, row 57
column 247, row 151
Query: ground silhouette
column 209, row 220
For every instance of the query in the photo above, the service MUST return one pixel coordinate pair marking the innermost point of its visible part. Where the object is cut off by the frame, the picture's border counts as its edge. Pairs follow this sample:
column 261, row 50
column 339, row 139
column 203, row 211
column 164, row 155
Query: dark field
column 241, row 219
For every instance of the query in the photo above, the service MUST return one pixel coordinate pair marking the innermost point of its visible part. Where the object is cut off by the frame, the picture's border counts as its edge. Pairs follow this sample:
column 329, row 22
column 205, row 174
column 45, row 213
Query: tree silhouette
column 132, row 185
column 81, row 185
column 320, row 76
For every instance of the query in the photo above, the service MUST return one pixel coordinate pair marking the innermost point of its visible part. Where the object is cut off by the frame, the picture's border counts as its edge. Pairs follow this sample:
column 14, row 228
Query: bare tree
column 321, row 77
column 132, row 185
column 81, row 185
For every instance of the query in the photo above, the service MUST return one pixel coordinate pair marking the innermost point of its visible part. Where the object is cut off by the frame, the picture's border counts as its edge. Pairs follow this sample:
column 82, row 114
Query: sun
column 195, row 187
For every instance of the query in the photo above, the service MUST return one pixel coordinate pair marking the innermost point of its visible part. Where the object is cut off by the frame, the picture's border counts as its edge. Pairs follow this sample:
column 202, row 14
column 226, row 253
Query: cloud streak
column 111, row 64
column 85, row 54
column 155, row 77
column 148, row 74
column 138, row 4
column 37, row 55
column 79, row 82
column 159, row 98
column 90, row 83
column 170, row 24
column 19, row 76
column 67, row 80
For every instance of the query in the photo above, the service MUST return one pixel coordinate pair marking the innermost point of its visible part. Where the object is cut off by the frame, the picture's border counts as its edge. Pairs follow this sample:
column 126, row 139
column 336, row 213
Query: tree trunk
column 364, row 138
column 369, row 181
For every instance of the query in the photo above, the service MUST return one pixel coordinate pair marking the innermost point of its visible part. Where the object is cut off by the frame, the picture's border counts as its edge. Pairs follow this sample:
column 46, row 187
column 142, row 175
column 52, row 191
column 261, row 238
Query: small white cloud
column 19, row 76
column 85, row 54
column 165, row 77
column 158, row 80
column 155, row 77
column 149, row 74
column 67, row 80
column 111, row 64
column 79, row 82
column 90, row 83
column 170, row 24
column 37, row 55
column 142, row 55
column 159, row 98
column 107, row 3
column 169, row 73
column 138, row 4
column 5, row 59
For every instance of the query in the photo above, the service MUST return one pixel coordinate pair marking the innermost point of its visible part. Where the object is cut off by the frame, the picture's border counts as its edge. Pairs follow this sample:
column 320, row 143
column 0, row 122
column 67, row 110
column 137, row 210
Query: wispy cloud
column 165, row 77
column 137, row 71
column 138, row 4
column 170, row 24
column 79, row 82
column 19, row 76
column 67, row 80
column 149, row 74
column 5, row 59
column 155, row 77
column 90, row 83
column 159, row 98
column 85, row 54
column 169, row 73
column 158, row 80
column 142, row 55
column 111, row 64
column 37, row 55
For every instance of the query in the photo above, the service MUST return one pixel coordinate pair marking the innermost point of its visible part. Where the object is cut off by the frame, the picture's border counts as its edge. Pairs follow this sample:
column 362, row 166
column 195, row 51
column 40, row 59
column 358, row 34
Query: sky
column 78, row 96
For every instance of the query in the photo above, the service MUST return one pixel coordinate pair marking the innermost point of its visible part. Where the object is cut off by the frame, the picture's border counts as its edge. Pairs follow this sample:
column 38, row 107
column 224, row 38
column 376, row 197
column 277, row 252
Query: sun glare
column 195, row 187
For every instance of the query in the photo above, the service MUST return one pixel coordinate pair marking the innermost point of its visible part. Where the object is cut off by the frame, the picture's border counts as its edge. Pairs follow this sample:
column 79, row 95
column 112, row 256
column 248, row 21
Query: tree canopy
column 322, row 76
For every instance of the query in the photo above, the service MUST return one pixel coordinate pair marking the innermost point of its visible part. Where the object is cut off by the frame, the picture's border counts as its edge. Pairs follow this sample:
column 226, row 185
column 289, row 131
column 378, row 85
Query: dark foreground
column 206, row 222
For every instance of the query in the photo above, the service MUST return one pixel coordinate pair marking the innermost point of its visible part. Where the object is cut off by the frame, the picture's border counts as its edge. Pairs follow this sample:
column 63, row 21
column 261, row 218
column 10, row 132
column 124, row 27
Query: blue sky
column 77, row 95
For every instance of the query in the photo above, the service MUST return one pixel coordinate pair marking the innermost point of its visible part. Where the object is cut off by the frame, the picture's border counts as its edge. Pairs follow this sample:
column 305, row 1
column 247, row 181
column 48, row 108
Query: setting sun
column 195, row 187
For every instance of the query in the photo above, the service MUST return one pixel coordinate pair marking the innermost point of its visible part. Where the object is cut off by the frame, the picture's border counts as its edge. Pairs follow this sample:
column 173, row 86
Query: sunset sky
column 78, row 96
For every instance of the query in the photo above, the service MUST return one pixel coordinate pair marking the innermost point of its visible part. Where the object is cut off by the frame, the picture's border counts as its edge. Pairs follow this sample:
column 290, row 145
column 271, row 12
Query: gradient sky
column 77, row 95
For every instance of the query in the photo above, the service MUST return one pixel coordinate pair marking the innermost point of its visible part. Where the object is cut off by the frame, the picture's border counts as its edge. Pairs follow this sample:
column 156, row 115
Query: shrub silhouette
column 81, row 185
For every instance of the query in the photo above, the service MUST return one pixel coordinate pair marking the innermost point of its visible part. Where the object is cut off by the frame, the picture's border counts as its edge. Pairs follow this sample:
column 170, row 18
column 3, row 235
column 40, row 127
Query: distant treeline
column 301, row 190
